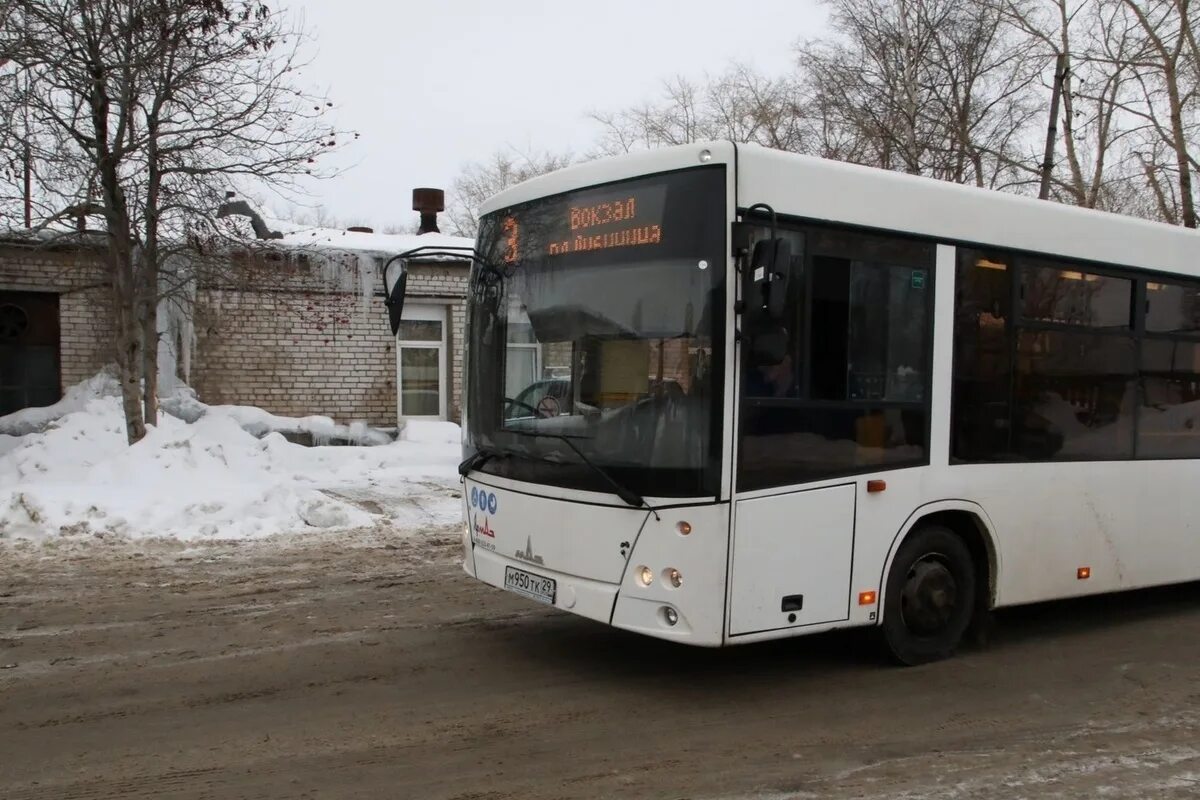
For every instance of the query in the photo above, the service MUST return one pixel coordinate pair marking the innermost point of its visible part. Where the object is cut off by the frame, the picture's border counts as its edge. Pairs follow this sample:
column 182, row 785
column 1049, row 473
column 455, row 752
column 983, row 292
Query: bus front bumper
column 605, row 602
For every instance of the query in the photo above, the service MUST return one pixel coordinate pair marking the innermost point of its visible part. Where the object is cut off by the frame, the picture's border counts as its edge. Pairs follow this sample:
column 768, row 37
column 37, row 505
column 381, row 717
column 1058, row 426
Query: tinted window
column 1073, row 297
column 1172, row 308
column 1169, row 423
column 791, row 443
column 1074, row 395
column 1056, row 382
column 851, row 393
column 889, row 325
column 982, row 363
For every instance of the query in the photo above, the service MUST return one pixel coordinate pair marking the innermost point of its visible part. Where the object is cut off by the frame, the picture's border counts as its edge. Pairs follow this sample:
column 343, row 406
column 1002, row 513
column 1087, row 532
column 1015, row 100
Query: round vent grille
column 13, row 322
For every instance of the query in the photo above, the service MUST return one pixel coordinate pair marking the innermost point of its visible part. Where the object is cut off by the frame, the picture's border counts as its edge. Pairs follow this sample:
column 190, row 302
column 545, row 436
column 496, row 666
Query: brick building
column 315, row 338
column 55, row 327
column 308, row 335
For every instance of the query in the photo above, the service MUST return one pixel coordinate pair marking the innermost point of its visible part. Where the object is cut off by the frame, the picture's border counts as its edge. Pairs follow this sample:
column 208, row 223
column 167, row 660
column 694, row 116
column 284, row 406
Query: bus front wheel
column 930, row 596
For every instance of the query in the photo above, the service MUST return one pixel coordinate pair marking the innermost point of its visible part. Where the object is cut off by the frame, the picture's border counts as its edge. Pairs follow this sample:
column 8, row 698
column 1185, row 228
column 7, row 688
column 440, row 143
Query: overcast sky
column 433, row 85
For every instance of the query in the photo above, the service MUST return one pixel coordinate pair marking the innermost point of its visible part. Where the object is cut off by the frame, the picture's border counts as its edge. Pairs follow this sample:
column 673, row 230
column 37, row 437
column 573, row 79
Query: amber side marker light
column 876, row 486
column 1083, row 573
column 867, row 598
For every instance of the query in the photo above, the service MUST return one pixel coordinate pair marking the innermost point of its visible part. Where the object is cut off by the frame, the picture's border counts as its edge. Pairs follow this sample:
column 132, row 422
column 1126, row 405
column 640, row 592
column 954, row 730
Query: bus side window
column 858, row 375
column 981, row 425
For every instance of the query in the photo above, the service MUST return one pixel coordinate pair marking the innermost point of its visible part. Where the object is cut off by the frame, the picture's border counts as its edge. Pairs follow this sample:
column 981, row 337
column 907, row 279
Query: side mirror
column 769, row 348
column 770, row 265
column 396, row 270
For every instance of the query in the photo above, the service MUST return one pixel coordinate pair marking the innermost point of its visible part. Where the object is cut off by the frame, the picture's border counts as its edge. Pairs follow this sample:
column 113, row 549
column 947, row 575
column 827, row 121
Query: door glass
column 420, row 382
column 851, row 392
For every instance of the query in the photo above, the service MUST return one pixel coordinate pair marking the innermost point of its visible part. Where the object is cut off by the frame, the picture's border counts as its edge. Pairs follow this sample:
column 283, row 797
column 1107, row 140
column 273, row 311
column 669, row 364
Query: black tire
column 930, row 596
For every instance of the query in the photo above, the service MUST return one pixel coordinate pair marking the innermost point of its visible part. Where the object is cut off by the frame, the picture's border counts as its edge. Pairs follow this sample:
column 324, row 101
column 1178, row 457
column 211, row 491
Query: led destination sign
column 585, row 222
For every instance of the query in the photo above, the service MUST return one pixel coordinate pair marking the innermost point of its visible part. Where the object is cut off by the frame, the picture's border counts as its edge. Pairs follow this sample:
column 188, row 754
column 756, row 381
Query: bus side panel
column 791, row 560
column 1131, row 523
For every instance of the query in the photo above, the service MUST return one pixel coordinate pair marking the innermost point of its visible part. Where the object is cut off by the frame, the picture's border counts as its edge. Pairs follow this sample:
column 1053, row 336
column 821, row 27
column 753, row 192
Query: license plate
column 526, row 584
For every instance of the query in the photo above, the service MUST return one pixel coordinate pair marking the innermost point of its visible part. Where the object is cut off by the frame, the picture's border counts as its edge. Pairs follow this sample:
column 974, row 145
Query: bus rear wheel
column 930, row 596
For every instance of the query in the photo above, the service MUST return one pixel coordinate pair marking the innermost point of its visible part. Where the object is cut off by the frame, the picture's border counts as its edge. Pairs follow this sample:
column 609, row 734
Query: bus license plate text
column 526, row 584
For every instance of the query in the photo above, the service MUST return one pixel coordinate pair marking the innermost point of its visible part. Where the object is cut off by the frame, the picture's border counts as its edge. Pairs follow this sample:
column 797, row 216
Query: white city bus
column 719, row 394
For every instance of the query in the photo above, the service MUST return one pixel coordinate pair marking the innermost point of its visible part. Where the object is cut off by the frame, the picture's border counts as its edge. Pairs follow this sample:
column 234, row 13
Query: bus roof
column 833, row 191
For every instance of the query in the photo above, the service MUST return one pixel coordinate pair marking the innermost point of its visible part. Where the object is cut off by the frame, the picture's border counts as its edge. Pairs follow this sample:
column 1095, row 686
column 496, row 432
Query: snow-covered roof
column 41, row 237
column 360, row 243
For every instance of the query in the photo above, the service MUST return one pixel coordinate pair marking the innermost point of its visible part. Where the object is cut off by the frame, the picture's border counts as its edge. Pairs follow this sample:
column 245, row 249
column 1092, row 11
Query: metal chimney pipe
column 429, row 202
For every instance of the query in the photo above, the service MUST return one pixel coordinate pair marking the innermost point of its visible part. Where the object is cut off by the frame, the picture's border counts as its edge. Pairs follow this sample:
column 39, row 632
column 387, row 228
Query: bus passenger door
column 792, row 555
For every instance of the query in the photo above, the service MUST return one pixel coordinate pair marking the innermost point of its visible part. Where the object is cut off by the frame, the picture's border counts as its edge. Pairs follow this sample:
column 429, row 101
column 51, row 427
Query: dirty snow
column 210, row 476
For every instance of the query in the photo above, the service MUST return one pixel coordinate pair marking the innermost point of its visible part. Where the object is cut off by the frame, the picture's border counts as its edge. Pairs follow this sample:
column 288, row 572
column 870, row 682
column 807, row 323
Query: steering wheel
column 521, row 404
column 548, row 406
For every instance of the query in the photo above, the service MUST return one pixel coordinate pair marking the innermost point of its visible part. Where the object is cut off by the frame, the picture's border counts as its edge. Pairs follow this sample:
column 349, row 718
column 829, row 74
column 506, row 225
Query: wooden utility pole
column 1060, row 74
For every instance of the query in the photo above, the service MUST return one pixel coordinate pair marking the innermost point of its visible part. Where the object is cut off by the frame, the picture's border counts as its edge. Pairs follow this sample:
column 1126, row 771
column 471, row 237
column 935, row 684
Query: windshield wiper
column 477, row 459
column 624, row 492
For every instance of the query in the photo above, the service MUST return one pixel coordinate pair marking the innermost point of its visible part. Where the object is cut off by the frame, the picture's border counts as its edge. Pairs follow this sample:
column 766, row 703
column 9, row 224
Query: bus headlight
column 670, row 615
column 645, row 576
column 673, row 577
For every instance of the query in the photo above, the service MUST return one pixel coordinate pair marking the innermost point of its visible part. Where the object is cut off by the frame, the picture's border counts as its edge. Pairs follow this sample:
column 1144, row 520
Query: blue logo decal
column 491, row 503
column 474, row 497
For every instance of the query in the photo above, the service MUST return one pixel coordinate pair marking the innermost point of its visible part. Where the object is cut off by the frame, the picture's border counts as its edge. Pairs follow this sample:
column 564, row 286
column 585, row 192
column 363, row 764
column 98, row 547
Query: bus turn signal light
column 867, row 598
column 1083, row 573
column 876, row 486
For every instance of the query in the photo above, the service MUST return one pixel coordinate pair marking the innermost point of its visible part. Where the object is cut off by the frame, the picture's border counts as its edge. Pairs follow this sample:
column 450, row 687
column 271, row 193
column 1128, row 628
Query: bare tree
column 930, row 87
column 1155, row 40
column 145, row 113
column 480, row 180
column 740, row 104
column 1095, row 79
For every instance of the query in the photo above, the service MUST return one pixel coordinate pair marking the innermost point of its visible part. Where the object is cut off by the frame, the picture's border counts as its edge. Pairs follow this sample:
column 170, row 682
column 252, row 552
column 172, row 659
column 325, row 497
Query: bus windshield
column 598, row 316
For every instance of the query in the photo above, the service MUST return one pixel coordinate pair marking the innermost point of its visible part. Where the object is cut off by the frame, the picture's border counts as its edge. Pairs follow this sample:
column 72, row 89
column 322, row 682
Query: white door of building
column 421, row 363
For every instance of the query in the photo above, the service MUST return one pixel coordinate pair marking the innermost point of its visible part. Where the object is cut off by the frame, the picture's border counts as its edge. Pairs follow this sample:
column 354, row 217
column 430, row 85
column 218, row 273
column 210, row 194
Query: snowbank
column 212, row 478
column 30, row 420
column 431, row 432
column 181, row 402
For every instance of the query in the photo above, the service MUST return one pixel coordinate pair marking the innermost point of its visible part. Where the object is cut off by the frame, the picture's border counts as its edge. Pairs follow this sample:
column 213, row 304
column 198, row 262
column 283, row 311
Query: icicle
column 176, row 328
column 366, row 284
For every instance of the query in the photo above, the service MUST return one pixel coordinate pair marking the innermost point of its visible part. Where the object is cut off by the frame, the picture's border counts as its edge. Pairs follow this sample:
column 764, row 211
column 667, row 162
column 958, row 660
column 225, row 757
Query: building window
column 522, row 367
column 421, row 362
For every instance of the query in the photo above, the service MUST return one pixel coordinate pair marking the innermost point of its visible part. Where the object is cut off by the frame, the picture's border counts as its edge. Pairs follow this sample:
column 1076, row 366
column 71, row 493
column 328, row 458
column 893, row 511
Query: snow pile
column 181, row 402
column 212, row 478
column 30, row 420
column 323, row 430
column 431, row 432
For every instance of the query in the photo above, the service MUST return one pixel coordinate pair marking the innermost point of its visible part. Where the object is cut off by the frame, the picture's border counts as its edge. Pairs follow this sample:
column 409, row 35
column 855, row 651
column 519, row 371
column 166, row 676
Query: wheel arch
column 971, row 523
